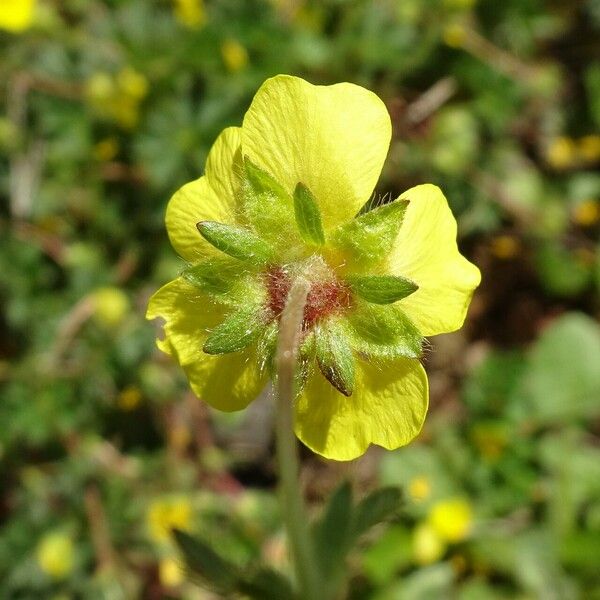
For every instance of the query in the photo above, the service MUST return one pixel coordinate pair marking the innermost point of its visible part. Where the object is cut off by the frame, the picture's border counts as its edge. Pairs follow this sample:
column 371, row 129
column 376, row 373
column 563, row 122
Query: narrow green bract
column 335, row 358
column 381, row 289
column 236, row 332
column 308, row 216
column 369, row 237
column 235, row 241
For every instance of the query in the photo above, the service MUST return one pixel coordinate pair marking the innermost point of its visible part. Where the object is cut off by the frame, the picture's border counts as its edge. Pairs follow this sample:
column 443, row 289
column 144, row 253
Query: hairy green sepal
column 214, row 277
column 236, row 332
column 383, row 331
column 369, row 237
column 236, row 241
column 308, row 216
column 381, row 289
column 268, row 207
column 335, row 357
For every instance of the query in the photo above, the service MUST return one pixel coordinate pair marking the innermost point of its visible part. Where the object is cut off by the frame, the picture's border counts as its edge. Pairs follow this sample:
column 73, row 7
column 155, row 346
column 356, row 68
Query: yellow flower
column 587, row 213
column 561, row 153
column 419, row 488
column 55, row 555
column 589, row 148
column 16, row 15
column 235, row 56
column 190, row 13
column 129, row 398
column 454, row 35
column 110, row 306
column 428, row 546
column 505, row 247
column 106, row 149
column 170, row 572
column 278, row 203
column 452, row 519
column 167, row 514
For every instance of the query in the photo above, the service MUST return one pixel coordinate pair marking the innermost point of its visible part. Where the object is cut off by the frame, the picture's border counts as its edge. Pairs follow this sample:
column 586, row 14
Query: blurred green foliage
column 109, row 106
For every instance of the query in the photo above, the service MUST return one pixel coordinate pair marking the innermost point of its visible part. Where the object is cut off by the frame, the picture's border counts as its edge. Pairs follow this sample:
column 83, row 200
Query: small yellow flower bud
column 170, row 572
column 235, row 56
column 132, row 83
column 129, row 398
column 100, row 87
column 190, row 13
column 505, row 247
column 110, row 306
column 454, row 35
column 587, row 213
column 589, row 148
column 452, row 519
column 55, row 555
column 428, row 546
column 561, row 153
column 419, row 488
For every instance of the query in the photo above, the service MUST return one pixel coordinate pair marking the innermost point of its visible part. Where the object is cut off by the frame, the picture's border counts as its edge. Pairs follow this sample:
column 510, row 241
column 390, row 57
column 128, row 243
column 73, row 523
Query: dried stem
column 293, row 508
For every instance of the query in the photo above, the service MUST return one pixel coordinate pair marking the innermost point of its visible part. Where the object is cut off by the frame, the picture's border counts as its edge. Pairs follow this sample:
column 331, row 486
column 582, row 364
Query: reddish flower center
column 324, row 297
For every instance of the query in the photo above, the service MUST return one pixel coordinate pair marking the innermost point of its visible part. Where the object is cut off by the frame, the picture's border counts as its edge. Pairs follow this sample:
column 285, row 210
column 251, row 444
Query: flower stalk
column 293, row 508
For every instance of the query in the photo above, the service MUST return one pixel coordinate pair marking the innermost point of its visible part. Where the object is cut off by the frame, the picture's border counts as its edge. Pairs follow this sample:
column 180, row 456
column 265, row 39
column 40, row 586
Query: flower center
column 325, row 297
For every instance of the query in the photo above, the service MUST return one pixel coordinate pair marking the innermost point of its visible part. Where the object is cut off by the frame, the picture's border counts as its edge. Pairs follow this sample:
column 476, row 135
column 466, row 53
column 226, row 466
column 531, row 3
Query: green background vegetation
column 108, row 107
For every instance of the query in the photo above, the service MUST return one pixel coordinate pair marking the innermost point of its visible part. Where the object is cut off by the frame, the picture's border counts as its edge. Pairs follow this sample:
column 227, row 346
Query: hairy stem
column 293, row 509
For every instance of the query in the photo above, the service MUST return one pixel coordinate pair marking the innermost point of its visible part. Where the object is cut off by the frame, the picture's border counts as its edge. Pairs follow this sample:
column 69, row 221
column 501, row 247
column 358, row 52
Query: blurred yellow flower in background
column 235, row 56
column 166, row 514
column 561, row 153
column 55, row 555
column 170, row 572
column 110, row 306
column 419, row 488
column 589, row 148
column 106, row 149
column 587, row 213
column 454, row 35
column 190, row 13
column 129, row 398
column 451, row 519
column 16, row 15
column 428, row 546
column 505, row 246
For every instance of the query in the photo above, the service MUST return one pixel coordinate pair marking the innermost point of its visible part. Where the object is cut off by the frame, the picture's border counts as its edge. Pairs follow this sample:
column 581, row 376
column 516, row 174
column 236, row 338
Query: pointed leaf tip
column 236, row 332
column 308, row 216
column 235, row 241
column 335, row 358
column 381, row 289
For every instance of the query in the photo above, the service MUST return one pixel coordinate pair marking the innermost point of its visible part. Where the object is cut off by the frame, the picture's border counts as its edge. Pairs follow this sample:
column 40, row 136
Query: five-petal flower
column 283, row 197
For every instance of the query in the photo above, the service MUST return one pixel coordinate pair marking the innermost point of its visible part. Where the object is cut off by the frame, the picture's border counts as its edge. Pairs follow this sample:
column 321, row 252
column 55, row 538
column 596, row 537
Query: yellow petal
column 227, row 382
column 188, row 315
column 426, row 252
column 213, row 197
column 334, row 139
column 387, row 408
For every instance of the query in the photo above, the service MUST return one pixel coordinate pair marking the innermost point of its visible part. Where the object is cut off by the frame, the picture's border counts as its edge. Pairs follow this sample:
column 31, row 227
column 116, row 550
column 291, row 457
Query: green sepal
column 267, row 348
column 261, row 182
column 236, row 332
column 381, row 289
column 335, row 357
column 375, row 508
column 370, row 236
column 382, row 331
column 308, row 216
column 213, row 276
column 269, row 208
column 236, row 241
column 306, row 355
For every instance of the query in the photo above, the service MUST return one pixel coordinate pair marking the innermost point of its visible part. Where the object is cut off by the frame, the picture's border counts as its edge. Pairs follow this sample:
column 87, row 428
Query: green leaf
column 332, row 531
column 383, row 331
column 266, row 584
column 236, row 241
column 214, row 276
column 381, row 289
column 335, row 357
column 308, row 216
column 369, row 237
column 212, row 570
column 377, row 507
column 236, row 332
